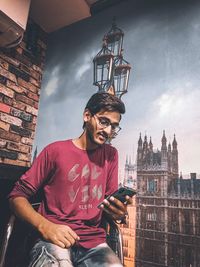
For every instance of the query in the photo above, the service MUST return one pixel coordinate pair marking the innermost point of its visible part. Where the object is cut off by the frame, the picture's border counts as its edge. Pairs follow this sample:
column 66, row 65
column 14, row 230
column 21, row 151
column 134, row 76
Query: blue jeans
column 45, row 254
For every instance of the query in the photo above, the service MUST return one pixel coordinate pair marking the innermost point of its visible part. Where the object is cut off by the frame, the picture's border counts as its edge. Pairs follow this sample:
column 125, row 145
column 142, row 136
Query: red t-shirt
column 74, row 182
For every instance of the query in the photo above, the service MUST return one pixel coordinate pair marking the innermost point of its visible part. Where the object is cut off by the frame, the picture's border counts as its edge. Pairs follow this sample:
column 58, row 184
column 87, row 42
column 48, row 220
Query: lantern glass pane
column 103, row 71
column 120, row 81
column 114, row 42
column 115, row 47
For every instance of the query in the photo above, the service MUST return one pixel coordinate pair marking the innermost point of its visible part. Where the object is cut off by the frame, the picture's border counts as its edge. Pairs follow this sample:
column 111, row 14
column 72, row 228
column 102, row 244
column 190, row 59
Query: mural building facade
column 168, row 218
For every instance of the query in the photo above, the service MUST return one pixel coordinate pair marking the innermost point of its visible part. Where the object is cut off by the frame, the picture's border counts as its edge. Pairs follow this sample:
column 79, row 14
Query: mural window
column 174, row 221
column 197, row 228
column 126, row 243
column 151, row 216
column 187, row 223
column 161, row 226
column 152, row 186
column 125, row 251
column 173, row 252
column 188, row 257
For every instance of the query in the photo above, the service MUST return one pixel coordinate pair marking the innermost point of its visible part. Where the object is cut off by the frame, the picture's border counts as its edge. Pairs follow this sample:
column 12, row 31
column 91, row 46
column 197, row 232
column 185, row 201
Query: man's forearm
column 24, row 210
column 61, row 235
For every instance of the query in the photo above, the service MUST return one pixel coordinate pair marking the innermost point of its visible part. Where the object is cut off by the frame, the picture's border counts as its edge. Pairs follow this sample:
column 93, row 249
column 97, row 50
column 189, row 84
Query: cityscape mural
column 159, row 142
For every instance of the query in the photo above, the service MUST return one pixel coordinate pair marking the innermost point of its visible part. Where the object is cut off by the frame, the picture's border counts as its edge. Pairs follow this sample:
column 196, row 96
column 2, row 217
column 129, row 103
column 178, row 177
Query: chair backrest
column 18, row 239
column 16, row 243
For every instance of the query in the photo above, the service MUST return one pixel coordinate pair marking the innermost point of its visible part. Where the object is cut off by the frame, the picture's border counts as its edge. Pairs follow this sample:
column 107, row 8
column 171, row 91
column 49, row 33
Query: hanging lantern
column 103, row 68
column 111, row 71
column 121, row 76
column 114, row 39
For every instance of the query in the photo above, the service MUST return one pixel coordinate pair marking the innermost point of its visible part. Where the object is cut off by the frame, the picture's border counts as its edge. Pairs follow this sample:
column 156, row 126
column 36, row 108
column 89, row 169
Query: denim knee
column 45, row 254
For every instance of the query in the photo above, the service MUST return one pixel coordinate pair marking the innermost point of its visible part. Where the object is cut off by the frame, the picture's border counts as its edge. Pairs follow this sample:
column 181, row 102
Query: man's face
column 101, row 126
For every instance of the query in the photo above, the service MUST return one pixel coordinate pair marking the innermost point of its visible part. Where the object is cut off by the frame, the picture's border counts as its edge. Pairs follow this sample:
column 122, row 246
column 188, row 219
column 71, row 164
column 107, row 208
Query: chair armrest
column 10, row 230
column 114, row 237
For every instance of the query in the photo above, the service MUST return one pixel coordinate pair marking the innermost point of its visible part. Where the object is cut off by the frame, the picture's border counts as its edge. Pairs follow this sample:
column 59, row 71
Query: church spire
column 164, row 141
column 129, row 160
column 175, row 158
column 145, row 144
column 164, row 162
column 169, row 147
column 174, row 143
column 126, row 159
column 140, row 141
column 35, row 154
column 139, row 152
column 150, row 144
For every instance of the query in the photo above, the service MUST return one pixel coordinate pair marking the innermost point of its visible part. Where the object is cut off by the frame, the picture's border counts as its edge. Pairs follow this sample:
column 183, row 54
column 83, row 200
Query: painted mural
column 159, row 142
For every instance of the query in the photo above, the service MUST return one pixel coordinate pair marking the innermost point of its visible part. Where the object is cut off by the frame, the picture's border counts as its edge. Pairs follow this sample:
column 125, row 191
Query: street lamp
column 111, row 71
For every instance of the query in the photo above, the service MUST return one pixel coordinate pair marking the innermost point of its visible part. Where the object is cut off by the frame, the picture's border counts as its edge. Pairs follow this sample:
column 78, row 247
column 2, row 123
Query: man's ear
column 86, row 115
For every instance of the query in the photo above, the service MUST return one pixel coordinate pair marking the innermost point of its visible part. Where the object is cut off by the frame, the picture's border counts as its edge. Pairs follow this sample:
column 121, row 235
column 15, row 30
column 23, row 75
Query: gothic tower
column 174, row 158
column 150, row 152
column 169, row 156
column 164, row 161
column 139, row 152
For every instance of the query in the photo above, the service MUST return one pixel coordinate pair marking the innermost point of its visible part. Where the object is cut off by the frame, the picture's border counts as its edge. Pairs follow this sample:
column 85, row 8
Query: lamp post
column 111, row 71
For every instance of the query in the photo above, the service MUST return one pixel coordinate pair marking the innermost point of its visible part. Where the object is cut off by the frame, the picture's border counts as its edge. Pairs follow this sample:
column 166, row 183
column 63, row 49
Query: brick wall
column 21, row 71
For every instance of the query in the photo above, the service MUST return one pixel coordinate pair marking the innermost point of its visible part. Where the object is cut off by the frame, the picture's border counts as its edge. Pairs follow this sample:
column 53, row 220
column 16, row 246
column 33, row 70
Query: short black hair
column 105, row 101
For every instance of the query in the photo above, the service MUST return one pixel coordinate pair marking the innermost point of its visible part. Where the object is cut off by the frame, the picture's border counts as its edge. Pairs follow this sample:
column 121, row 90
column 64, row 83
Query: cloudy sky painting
column 161, row 43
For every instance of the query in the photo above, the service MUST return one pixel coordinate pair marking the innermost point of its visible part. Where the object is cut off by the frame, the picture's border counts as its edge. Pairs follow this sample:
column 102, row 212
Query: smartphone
column 121, row 194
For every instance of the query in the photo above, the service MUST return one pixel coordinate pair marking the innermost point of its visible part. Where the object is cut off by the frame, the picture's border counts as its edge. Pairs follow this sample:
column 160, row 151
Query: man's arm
column 61, row 235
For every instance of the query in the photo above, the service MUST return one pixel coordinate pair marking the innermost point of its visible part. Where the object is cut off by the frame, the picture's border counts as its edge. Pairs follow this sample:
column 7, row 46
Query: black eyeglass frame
column 114, row 128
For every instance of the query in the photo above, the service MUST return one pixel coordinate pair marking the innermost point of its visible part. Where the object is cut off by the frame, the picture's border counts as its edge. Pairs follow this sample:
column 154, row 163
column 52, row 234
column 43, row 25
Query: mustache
column 104, row 134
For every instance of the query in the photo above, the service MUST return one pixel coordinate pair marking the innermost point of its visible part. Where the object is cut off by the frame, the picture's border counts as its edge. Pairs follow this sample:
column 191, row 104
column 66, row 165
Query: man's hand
column 115, row 208
column 58, row 234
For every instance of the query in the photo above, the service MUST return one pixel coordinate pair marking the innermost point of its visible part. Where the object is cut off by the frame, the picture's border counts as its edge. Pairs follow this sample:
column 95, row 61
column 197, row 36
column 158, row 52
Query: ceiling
column 52, row 15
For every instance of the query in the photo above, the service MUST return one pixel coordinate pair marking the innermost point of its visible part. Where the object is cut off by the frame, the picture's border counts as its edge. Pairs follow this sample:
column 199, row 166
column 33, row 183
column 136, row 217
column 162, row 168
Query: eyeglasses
column 104, row 123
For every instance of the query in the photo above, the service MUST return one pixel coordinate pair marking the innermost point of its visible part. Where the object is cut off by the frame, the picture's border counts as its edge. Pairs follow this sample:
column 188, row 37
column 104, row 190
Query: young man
column 75, row 175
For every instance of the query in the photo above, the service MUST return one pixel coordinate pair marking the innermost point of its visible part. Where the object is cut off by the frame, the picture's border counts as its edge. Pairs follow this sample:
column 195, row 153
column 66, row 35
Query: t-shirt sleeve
column 112, row 180
column 35, row 177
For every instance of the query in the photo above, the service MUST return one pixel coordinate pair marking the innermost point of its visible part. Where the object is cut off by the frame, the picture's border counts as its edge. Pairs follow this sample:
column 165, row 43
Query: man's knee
column 48, row 254
column 100, row 256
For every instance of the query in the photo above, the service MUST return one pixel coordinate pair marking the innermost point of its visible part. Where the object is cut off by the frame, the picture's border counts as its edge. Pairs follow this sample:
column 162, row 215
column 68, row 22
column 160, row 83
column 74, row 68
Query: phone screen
column 121, row 194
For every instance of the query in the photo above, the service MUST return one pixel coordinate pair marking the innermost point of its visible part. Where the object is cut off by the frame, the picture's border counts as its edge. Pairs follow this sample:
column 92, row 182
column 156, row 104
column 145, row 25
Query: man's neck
column 84, row 143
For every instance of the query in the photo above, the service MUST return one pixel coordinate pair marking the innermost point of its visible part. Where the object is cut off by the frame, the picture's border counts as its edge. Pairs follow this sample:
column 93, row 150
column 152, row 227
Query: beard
column 96, row 138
